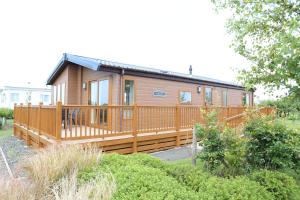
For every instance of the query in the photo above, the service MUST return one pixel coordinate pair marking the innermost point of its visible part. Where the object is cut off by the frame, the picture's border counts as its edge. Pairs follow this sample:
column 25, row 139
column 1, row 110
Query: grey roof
column 96, row 64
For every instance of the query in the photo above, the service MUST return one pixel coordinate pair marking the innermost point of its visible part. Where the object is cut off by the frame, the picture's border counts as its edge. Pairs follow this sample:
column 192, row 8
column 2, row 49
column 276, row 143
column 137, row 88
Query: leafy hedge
column 271, row 145
column 7, row 113
column 140, row 179
column 140, row 176
column 282, row 186
column 212, row 187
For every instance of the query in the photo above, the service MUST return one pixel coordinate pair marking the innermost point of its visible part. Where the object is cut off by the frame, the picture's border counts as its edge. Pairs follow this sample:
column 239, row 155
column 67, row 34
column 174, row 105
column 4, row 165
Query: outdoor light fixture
column 84, row 85
column 199, row 88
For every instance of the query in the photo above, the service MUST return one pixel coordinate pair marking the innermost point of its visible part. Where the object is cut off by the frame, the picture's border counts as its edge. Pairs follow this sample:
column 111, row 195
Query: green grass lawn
column 7, row 130
column 295, row 124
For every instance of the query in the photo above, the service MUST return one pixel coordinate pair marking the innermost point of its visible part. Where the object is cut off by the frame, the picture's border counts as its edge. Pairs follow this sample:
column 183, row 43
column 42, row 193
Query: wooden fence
column 70, row 122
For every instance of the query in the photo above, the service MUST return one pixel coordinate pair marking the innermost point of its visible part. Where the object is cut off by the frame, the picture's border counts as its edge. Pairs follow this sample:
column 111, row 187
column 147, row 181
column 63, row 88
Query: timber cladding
column 75, row 76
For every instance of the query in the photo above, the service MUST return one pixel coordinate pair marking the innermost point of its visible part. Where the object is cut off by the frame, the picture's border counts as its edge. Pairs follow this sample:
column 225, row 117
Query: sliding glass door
column 99, row 95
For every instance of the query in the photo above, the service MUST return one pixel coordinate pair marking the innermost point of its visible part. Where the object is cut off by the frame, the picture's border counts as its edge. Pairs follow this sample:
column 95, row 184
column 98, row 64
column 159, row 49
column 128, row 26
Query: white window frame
column 189, row 101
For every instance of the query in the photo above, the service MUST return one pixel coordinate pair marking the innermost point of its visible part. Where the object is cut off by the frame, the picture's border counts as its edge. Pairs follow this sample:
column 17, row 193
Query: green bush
column 235, row 153
column 288, row 106
column 223, row 149
column 140, row 177
column 282, row 186
column 7, row 113
column 271, row 144
column 213, row 152
column 211, row 187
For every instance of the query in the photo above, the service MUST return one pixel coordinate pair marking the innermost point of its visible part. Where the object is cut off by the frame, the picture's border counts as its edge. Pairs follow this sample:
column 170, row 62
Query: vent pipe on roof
column 191, row 70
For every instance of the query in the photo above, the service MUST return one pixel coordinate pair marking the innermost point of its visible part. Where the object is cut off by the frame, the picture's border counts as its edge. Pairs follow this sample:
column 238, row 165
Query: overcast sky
column 169, row 35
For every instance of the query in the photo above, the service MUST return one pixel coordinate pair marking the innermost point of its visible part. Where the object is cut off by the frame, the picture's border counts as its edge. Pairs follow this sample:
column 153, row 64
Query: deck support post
column 27, row 124
column 39, row 124
column 58, row 120
column 134, row 128
column 177, row 124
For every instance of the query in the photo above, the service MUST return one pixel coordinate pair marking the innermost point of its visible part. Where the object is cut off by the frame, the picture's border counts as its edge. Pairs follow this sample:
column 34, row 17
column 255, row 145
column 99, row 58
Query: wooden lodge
column 126, row 108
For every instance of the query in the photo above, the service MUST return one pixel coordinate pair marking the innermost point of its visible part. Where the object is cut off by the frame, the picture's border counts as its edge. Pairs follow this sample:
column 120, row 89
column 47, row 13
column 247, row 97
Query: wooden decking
column 124, row 144
column 122, row 129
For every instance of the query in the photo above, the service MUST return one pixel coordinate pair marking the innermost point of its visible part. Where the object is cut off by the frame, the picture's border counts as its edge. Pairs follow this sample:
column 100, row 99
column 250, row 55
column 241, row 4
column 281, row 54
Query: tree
column 267, row 33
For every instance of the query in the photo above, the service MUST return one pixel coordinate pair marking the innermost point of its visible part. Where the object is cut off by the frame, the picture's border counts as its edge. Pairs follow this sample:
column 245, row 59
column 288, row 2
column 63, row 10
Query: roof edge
column 100, row 65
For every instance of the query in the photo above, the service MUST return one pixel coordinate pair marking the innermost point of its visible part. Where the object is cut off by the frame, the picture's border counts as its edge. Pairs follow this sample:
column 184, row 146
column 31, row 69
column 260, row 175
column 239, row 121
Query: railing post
column 58, row 120
column 134, row 128
column 27, row 123
column 15, row 120
column 39, row 123
column 21, row 115
column 177, row 121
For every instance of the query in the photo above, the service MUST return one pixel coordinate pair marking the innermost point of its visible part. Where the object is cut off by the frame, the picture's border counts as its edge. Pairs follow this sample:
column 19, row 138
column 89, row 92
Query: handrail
column 67, row 122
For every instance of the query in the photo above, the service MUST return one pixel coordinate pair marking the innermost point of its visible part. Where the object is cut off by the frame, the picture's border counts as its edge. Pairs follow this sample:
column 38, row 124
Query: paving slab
column 178, row 153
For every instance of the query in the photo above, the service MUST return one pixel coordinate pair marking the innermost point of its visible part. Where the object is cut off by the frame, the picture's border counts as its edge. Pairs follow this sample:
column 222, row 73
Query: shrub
column 282, row 186
column 223, row 149
column 211, row 187
column 213, row 152
column 7, row 113
column 288, row 106
column 140, row 177
column 235, row 153
column 271, row 144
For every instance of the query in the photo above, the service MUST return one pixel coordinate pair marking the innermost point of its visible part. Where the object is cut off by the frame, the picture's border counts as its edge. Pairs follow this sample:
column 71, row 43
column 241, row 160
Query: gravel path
column 15, row 150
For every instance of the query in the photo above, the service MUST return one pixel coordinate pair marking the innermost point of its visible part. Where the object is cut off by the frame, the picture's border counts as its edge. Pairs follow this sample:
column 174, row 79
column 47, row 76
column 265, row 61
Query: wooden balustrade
column 69, row 122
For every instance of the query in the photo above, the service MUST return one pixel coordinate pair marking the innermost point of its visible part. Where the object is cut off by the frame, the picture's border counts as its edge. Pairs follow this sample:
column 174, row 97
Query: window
column 208, row 95
column 14, row 97
column 185, row 97
column 45, row 98
column 3, row 98
column 93, row 93
column 54, row 94
column 246, row 99
column 129, row 92
column 225, row 98
column 58, row 93
column 103, row 92
column 63, row 92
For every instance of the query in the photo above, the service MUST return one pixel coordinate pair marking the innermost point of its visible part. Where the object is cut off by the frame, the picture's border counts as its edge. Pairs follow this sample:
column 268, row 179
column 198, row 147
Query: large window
column 129, row 92
column 14, row 97
column 45, row 98
column 246, row 99
column 103, row 92
column 93, row 93
column 54, row 94
column 58, row 93
column 225, row 98
column 185, row 97
column 63, row 92
column 208, row 95
column 2, row 98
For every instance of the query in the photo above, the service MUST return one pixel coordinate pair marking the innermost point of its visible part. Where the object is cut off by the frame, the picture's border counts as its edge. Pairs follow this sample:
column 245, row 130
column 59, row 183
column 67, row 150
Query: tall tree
column 267, row 33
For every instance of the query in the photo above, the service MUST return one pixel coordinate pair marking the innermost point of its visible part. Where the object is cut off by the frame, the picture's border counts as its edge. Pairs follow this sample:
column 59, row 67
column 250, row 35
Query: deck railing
column 68, row 122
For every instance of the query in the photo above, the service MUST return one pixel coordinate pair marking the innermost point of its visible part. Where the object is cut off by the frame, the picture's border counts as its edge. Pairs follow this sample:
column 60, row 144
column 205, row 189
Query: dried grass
column 101, row 188
column 52, row 163
column 52, row 175
column 13, row 189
